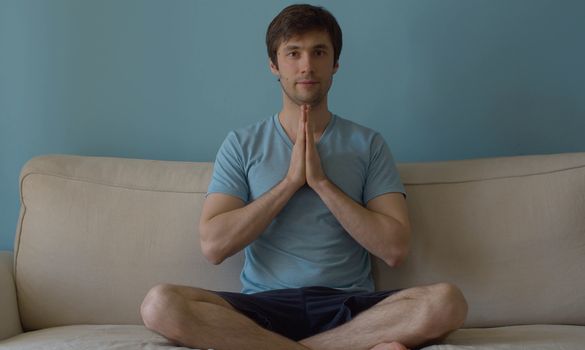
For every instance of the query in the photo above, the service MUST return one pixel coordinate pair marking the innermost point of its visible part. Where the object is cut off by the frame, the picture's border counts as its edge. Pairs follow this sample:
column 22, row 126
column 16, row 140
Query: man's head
column 296, row 20
column 304, row 43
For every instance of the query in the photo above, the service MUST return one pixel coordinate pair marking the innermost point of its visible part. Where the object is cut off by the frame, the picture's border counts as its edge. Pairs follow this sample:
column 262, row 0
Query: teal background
column 449, row 79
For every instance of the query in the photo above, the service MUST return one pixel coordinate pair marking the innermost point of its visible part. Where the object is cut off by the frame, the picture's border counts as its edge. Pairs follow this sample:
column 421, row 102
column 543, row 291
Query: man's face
column 305, row 67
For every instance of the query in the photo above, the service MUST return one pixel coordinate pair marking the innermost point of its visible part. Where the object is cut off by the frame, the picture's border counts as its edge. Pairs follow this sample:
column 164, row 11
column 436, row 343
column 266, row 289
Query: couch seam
column 138, row 188
column 493, row 178
column 17, row 249
column 89, row 180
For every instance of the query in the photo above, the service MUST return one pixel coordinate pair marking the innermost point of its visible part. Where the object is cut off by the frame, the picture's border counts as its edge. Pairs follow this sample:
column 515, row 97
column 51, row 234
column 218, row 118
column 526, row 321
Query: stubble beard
column 314, row 100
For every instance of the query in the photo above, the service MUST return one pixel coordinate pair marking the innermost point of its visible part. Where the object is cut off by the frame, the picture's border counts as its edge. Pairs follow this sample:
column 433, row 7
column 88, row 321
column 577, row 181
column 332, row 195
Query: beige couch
column 95, row 234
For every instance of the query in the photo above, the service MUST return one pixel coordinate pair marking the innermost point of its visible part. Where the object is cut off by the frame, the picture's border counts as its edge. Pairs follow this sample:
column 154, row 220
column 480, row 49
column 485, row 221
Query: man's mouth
column 307, row 82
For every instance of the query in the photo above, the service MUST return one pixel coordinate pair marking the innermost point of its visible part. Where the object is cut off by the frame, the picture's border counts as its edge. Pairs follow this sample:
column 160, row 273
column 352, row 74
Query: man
column 309, row 196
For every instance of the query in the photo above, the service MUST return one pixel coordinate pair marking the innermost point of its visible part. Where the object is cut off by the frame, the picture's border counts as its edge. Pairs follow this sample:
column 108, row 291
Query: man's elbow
column 211, row 251
column 212, row 255
column 398, row 254
column 397, row 257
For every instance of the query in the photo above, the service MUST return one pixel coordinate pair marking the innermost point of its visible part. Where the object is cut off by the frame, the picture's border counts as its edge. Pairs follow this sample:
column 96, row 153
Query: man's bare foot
column 389, row 346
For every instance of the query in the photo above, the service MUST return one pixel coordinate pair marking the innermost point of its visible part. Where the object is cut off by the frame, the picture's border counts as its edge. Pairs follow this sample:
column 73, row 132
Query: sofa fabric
column 96, row 233
column 133, row 337
column 9, row 317
column 89, row 337
column 510, row 232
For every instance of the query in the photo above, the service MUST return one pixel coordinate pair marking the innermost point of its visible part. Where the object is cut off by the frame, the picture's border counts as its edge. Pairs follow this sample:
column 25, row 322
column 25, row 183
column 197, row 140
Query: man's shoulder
column 251, row 138
column 254, row 129
column 347, row 126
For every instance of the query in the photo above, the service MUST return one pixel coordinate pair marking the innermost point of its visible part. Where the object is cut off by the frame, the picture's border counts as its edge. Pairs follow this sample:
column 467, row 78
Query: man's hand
column 297, row 168
column 305, row 163
column 314, row 170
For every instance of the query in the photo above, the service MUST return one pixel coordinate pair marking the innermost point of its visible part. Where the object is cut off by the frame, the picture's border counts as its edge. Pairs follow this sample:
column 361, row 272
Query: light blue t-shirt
column 305, row 245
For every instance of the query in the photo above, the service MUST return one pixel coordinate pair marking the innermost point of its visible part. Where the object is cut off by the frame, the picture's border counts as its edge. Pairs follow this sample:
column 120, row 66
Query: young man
column 309, row 196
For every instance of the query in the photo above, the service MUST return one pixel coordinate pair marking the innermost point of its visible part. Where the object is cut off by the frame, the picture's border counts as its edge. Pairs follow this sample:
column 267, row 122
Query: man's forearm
column 232, row 231
column 382, row 235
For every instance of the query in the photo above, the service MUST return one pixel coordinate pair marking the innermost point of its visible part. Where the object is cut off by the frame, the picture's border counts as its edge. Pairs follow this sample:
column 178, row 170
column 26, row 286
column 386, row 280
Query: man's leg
column 411, row 317
column 198, row 318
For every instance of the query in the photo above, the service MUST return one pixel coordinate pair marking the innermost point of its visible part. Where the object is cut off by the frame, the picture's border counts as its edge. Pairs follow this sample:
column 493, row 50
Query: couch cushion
column 510, row 232
column 96, row 233
column 533, row 337
column 129, row 337
column 88, row 337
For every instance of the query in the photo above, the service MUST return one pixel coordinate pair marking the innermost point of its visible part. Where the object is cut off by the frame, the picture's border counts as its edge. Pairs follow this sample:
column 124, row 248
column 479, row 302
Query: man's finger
column 309, row 127
column 305, row 109
column 301, row 130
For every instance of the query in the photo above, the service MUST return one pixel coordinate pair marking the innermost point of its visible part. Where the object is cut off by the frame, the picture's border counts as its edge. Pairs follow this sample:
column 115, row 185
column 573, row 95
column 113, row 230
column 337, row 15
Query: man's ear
column 335, row 67
column 273, row 68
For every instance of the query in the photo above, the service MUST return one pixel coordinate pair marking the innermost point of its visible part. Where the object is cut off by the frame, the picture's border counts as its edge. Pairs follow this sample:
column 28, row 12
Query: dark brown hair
column 297, row 20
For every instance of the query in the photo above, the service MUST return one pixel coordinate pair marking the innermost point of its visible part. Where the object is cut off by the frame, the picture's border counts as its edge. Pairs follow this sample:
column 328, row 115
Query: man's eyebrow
column 320, row 46
column 296, row 47
column 292, row 47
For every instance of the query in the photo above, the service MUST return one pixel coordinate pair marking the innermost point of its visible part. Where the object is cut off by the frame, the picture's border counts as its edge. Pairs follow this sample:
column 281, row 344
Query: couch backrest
column 96, row 233
column 510, row 232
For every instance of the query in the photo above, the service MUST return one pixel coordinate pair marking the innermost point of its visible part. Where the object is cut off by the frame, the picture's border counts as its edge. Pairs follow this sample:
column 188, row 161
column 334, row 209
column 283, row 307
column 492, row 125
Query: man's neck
column 291, row 113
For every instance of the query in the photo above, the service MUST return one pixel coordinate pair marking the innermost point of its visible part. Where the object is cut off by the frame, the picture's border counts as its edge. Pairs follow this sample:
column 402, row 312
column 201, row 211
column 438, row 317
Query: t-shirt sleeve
column 382, row 175
column 229, row 171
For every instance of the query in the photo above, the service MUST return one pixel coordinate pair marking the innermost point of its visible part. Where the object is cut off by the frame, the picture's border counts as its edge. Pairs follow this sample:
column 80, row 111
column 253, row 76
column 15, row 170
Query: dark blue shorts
column 300, row 313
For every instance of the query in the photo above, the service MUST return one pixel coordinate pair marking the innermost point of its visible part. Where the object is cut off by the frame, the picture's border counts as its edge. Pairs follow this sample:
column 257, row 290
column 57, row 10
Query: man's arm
column 227, row 225
column 382, row 227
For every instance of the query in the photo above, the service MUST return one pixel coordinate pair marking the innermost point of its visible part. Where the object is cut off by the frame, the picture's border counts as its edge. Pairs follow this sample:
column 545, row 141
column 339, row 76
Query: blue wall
column 448, row 79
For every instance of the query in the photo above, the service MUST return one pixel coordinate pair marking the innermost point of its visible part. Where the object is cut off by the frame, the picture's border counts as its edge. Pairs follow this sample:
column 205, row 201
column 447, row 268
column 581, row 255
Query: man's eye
column 319, row 53
column 292, row 54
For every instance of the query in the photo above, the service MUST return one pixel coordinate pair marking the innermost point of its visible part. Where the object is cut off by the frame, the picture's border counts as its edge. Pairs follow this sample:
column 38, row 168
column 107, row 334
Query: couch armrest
column 9, row 316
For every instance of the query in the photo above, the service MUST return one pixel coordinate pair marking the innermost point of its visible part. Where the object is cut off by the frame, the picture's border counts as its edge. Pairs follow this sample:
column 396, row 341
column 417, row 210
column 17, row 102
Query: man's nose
column 307, row 63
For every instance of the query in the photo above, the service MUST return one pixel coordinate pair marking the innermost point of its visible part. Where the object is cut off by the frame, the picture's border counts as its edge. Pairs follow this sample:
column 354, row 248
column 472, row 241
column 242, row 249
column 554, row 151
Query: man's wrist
column 289, row 185
column 321, row 185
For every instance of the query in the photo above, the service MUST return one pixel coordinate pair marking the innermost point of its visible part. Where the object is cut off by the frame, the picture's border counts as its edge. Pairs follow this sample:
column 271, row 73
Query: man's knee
column 157, row 303
column 446, row 309
column 165, row 302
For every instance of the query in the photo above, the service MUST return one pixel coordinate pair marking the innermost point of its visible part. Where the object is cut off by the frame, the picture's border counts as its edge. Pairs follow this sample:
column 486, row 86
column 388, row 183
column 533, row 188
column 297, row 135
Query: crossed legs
column 198, row 318
column 411, row 317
